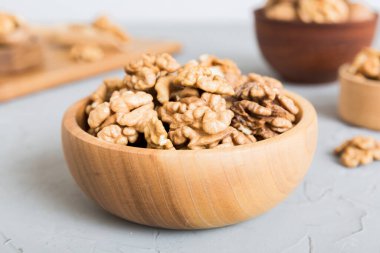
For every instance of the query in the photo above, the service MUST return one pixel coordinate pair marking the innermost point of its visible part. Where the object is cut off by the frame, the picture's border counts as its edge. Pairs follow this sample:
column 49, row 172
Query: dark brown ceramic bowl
column 311, row 53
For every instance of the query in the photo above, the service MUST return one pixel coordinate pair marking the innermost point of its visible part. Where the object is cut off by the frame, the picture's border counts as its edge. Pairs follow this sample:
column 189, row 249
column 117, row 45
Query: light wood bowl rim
column 259, row 13
column 69, row 122
column 357, row 80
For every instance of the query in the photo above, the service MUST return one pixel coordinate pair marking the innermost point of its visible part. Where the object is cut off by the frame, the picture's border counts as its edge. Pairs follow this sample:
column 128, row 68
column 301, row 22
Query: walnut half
column 358, row 151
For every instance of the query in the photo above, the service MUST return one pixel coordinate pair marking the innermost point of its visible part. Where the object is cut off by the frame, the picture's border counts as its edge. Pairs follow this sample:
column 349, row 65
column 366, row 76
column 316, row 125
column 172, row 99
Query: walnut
column 136, row 118
column 367, row 64
column 86, row 53
column 143, row 74
column 133, row 109
column 323, row 11
column 223, row 67
column 197, row 76
column 115, row 134
column 168, row 91
column 281, row 10
column 206, row 116
column 163, row 87
column 8, row 23
column 184, row 93
column 236, row 138
column 100, row 113
column 156, row 135
column 127, row 109
column 124, row 101
column 104, row 24
column 358, row 151
column 208, row 113
column 262, row 108
column 104, row 92
column 197, row 138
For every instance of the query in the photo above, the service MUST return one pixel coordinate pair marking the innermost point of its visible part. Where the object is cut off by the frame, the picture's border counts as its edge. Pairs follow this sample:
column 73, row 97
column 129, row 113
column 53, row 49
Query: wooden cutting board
column 59, row 69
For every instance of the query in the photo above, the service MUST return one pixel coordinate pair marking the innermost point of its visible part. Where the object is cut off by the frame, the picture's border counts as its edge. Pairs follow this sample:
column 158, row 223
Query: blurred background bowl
column 359, row 100
column 311, row 53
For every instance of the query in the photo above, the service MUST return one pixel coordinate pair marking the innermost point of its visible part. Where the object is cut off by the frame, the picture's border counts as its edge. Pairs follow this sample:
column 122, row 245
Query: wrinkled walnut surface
column 145, row 73
column 358, row 151
column 205, row 104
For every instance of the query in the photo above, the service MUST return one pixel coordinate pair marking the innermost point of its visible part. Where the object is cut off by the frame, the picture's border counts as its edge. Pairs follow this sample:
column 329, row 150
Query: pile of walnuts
column 366, row 64
column 358, row 151
column 205, row 104
column 317, row 11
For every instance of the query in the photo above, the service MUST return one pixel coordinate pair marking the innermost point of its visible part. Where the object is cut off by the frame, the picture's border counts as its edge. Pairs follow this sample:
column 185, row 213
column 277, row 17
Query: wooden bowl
column 311, row 53
column 189, row 189
column 21, row 56
column 359, row 100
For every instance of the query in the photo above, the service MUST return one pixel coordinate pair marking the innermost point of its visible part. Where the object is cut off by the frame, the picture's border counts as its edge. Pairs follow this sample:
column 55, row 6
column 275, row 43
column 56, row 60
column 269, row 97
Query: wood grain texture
column 58, row 68
column 359, row 100
column 186, row 189
column 311, row 53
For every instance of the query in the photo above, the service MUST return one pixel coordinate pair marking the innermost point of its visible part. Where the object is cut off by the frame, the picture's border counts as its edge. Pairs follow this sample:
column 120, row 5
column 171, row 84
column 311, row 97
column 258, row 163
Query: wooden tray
column 59, row 69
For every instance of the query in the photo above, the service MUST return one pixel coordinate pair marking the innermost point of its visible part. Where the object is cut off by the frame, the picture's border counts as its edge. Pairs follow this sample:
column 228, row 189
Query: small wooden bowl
column 189, row 189
column 359, row 100
column 21, row 56
column 311, row 53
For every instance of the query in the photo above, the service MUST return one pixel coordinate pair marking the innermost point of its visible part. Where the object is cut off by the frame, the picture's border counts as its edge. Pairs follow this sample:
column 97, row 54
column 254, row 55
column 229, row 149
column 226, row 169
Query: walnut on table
column 366, row 64
column 358, row 151
column 102, row 33
column 263, row 110
column 103, row 23
column 86, row 53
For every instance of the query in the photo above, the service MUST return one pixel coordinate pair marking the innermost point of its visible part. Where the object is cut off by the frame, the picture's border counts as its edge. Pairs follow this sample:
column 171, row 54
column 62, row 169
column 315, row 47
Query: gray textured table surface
column 42, row 210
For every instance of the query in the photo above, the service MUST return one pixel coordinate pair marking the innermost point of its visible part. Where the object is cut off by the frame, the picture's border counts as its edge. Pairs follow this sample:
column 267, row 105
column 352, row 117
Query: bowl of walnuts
column 306, row 41
column 360, row 90
column 189, row 147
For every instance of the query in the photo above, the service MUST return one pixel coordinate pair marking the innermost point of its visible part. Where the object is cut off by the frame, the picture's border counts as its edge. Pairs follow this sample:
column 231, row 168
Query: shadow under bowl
column 311, row 53
column 189, row 189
